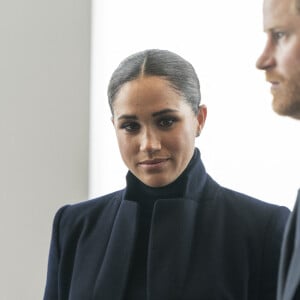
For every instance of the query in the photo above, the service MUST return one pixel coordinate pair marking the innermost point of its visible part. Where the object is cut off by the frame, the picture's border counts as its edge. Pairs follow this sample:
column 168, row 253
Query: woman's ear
column 201, row 118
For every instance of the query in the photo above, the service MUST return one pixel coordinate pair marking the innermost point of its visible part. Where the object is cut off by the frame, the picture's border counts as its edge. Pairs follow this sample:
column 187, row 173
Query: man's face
column 281, row 56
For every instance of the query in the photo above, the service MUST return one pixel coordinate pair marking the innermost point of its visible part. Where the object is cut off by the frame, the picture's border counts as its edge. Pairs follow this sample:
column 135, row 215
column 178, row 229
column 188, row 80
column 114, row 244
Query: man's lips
column 273, row 80
column 274, row 85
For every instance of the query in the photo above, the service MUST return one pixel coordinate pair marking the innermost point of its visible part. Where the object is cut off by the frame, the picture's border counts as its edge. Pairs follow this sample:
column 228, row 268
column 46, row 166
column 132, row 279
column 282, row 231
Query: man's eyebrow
column 164, row 111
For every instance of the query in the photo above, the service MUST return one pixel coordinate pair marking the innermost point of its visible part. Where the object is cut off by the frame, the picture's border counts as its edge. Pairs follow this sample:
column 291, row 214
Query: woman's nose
column 150, row 141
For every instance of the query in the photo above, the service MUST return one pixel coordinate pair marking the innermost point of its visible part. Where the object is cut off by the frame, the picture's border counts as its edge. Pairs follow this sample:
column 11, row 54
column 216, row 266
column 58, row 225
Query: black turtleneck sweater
column 146, row 197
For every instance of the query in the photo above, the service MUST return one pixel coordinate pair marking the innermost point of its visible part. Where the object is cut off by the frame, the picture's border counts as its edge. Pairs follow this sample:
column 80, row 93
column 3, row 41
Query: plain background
column 244, row 144
column 44, row 129
column 57, row 147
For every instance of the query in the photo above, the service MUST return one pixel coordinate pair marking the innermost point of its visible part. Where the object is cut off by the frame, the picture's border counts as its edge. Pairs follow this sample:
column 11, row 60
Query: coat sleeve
column 271, row 253
column 51, row 290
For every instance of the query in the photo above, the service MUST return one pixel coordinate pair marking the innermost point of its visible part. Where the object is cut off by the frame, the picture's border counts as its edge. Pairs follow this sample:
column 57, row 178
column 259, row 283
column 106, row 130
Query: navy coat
column 211, row 244
column 289, row 271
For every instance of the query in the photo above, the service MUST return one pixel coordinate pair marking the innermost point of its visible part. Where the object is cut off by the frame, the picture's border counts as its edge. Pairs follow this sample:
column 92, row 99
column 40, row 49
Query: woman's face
column 156, row 129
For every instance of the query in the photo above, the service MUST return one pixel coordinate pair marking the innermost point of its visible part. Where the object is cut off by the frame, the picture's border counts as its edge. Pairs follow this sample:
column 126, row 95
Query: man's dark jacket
column 211, row 244
column 289, row 271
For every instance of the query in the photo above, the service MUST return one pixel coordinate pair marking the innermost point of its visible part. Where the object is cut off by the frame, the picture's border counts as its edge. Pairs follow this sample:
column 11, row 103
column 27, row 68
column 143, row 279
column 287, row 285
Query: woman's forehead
column 149, row 96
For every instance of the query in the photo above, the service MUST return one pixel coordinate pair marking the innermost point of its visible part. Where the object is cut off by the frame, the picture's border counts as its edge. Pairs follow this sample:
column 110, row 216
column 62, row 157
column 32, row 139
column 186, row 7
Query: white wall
column 44, row 123
column 245, row 145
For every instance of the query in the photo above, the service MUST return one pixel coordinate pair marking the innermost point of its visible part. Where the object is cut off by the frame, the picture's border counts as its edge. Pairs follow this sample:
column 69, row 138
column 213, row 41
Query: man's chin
column 286, row 109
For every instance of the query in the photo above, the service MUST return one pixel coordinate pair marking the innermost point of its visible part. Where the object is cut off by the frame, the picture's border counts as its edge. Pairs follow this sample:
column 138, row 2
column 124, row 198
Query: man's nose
column 266, row 60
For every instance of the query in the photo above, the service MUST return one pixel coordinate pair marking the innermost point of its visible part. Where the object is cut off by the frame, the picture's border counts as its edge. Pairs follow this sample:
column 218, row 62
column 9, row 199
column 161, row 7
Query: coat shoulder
column 87, row 213
column 95, row 205
column 245, row 206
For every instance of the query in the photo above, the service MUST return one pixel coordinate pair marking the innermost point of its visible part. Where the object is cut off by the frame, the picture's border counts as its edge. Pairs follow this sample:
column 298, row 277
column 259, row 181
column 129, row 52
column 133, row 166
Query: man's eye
column 130, row 127
column 277, row 35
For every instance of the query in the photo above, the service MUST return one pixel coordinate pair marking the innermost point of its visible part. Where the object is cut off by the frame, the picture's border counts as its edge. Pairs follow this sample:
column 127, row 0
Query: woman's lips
column 153, row 164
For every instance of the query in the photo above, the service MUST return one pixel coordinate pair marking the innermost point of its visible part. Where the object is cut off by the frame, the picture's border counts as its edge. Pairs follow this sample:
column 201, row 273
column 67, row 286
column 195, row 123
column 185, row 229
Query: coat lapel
column 112, row 277
column 170, row 244
column 291, row 253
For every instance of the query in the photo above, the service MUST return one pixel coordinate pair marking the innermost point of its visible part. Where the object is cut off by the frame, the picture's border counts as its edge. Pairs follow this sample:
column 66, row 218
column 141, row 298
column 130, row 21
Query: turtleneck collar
column 188, row 185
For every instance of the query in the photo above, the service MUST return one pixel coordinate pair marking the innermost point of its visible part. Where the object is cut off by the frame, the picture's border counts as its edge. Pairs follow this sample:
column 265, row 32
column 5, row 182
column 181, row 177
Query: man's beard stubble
column 286, row 100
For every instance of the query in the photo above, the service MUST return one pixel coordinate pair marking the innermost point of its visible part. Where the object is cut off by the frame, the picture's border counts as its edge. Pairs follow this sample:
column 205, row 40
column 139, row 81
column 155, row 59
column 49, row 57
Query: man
column 281, row 62
column 281, row 56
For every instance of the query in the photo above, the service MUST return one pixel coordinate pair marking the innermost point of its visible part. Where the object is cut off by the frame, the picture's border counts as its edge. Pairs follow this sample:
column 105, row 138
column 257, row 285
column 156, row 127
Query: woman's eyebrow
column 155, row 114
column 127, row 117
column 164, row 111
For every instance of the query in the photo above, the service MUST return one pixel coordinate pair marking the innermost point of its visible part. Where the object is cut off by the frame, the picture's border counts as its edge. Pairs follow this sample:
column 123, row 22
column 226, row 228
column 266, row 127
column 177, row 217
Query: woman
column 173, row 232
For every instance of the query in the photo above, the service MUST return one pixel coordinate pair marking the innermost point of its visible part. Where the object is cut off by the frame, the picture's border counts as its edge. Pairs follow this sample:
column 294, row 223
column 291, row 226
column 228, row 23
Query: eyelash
column 166, row 122
column 130, row 126
column 163, row 123
column 277, row 35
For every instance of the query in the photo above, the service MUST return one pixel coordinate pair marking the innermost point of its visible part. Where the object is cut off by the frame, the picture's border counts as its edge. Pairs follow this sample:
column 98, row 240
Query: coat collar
column 170, row 241
column 188, row 185
column 112, row 277
column 170, row 246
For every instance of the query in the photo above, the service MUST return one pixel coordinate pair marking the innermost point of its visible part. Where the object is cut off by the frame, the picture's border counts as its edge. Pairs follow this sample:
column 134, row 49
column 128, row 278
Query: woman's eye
column 130, row 127
column 165, row 123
